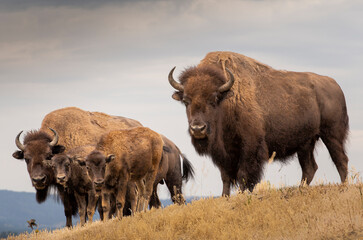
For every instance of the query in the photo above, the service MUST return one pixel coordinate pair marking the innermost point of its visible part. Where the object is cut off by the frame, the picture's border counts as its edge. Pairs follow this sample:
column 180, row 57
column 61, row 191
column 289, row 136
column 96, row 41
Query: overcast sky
column 114, row 57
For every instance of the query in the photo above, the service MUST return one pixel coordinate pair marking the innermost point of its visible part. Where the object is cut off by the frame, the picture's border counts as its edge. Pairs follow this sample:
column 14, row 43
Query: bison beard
column 251, row 110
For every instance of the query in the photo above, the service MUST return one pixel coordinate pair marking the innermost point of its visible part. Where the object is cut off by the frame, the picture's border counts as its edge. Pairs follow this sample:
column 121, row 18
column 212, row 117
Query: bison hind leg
column 336, row 150
column 154, row 199
column 307, row 161
column 141, row 191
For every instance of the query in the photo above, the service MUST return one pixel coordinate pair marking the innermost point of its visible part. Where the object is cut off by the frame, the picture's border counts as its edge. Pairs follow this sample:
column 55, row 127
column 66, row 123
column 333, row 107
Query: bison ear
column 177, row 96
column 80, row 160
column 58, row 149
column 81, row 163
column 225, row 95
column 18, row 154
column 110, row 158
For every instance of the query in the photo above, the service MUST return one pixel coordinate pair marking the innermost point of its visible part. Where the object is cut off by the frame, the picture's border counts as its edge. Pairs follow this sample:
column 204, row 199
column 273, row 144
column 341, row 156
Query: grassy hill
column 18, row 207
column 318, row 212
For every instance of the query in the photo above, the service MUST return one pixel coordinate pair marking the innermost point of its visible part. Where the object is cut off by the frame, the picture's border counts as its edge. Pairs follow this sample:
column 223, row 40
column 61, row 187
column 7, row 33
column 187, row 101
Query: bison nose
column 198, row 131
column 98, row 182
column 198, row 128
column 40, row 179
column 61, row 178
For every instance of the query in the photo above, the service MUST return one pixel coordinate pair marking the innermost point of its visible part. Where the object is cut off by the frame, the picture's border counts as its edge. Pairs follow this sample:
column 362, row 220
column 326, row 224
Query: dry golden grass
column 318, row 212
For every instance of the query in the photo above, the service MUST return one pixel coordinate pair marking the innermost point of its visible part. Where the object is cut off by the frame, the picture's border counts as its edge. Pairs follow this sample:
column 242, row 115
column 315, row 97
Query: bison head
column 96, row 166
column 37, row 150
column 62, row 168
column 202, row 90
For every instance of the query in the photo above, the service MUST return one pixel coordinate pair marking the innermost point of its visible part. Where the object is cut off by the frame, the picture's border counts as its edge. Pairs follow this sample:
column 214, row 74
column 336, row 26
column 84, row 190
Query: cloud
column 70, row 33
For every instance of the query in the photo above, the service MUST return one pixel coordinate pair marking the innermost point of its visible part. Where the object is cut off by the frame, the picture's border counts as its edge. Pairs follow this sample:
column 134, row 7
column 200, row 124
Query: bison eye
column 49, row 157
column 186, row 101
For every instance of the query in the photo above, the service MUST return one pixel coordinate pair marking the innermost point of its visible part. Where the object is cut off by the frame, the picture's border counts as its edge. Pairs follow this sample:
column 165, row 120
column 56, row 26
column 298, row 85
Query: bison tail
column 188, row 169
column 345, row 123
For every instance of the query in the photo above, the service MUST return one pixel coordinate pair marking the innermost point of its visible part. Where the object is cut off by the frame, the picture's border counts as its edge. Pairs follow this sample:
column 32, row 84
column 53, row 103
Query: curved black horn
column 55, row 139
column 18, row 143
column 174, row 83
column 225, row 87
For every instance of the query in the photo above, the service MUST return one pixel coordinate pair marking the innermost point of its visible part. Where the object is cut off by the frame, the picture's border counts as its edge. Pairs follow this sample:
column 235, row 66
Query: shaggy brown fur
column 265, row 111
column 123, row 156
column 75, row 128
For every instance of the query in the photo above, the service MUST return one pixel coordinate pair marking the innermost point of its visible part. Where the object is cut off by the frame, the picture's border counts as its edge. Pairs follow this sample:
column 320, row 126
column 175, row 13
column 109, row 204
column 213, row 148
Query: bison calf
column 122, row 156
column 73, row 177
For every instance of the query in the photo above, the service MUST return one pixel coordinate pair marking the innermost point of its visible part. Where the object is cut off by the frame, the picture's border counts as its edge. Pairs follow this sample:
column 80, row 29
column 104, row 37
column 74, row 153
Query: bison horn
column 18, row 143
column 174, row 83
column 225, row 87
column 55, row 139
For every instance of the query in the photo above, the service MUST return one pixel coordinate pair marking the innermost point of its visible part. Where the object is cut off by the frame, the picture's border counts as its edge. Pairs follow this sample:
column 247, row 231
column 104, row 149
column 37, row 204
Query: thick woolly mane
column 215, row 74
column 235, row 61
column 36, row 135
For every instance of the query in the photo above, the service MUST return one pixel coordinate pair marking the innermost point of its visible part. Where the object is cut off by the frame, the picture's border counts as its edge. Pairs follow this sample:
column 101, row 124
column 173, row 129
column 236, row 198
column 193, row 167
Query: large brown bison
column 73, row 127
column 122, row 156
column 242, row 117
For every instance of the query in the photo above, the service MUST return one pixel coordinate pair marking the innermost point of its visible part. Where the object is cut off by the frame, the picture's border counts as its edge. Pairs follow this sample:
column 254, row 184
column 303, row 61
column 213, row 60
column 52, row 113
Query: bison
column 72, row 127
column 122, row 156
column 170, row 172
column 73, row 177
column 241, row 118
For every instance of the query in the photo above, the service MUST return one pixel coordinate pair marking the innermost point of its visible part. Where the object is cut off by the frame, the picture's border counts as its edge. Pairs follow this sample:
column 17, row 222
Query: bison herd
column 239, row 112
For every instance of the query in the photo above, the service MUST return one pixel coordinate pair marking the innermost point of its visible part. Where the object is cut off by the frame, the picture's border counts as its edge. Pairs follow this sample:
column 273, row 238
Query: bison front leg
column 81, row 201
column 92, row 204
column 120, row 198
column 226, row 183
column 67, row 208
column 251, row 166
column 105, row 205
